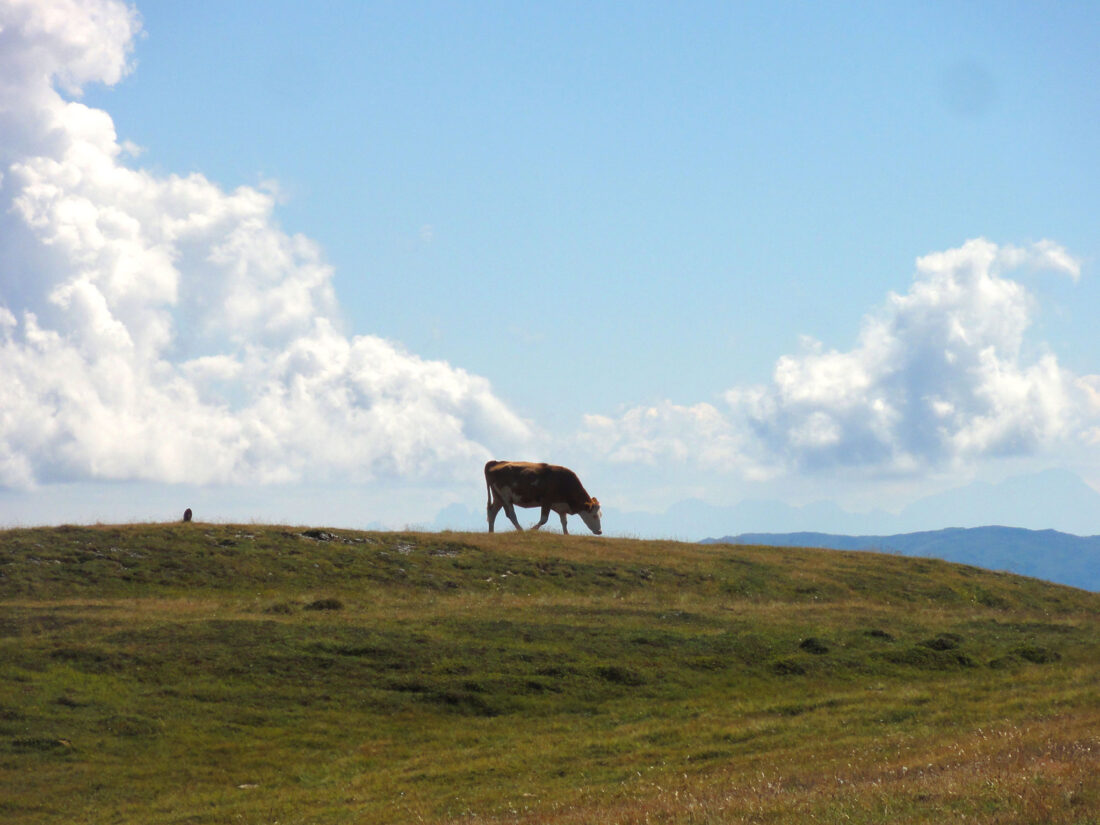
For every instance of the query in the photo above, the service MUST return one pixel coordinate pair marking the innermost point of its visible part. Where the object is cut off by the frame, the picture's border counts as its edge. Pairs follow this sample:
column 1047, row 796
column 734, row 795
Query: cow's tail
column 488, row 486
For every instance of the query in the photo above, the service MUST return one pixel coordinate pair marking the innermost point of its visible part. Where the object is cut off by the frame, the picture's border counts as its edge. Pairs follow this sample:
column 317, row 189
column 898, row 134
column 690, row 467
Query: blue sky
column 627, row 238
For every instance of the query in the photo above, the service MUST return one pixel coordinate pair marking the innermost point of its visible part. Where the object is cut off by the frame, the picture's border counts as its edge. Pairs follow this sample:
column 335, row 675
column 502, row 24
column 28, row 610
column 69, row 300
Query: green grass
column 198, row 673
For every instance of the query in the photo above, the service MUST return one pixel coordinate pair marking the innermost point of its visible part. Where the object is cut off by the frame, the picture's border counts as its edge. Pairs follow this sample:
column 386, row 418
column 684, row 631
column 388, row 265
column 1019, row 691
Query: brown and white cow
column 512, row 483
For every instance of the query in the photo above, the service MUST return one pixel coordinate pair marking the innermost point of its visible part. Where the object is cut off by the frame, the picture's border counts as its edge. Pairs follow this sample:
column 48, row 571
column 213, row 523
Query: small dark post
column 187, row 514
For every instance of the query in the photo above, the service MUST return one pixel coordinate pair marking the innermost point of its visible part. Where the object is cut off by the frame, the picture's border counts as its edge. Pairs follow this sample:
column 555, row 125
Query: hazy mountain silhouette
column 1043, row 554
column 1053, row 499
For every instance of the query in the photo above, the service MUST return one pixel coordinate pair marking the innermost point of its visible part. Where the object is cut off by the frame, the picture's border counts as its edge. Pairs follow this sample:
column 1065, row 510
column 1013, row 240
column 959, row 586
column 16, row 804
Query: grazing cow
column 511, row 483
column 187, row 514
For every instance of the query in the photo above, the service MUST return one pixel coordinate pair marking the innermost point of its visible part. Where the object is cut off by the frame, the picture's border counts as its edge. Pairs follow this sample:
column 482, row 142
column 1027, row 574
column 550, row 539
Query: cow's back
column 532, row 484
column 506, row 473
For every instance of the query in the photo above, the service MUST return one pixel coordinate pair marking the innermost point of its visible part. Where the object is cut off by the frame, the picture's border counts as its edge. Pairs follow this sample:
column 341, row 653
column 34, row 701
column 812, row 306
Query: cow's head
column 590, row 514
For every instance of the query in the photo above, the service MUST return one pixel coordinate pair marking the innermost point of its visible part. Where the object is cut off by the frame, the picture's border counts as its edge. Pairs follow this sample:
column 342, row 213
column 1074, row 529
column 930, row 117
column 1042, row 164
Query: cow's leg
column 543, row 520
column 564, row 526
column 510, row 511
column 491, row 512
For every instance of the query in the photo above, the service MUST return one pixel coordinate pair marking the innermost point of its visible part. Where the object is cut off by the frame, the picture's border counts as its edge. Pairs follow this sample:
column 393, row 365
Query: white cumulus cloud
column 653, row 434
column 938, row 375
column 163, row 328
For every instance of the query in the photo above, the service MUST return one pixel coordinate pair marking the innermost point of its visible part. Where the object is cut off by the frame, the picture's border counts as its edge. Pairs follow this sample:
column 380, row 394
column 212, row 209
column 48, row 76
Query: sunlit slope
column 218, row 673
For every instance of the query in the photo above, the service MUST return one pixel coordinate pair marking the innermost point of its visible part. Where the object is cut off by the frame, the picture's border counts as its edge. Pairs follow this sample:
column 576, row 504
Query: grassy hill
column 199, row 673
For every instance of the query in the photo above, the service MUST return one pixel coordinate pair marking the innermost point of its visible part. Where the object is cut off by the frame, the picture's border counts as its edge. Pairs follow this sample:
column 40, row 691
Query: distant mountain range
column 1055, row 499
column 1043, row 554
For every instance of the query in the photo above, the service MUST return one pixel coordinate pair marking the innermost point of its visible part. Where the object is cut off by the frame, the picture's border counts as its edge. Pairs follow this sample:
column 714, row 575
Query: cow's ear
column 593, row 503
